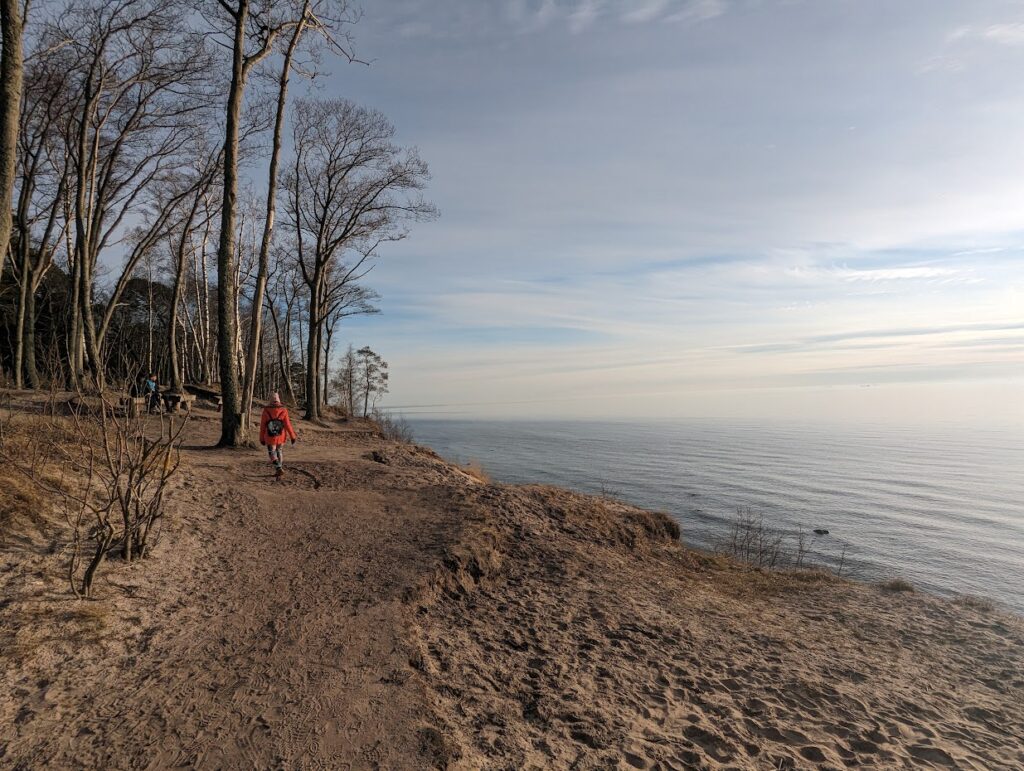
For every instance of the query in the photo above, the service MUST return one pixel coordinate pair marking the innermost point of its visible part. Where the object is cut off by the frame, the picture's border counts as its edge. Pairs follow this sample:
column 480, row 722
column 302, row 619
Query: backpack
column 275, row 427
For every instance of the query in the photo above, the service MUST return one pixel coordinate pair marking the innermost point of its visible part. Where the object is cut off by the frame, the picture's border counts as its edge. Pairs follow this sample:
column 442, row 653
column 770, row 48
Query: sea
column 939, row 506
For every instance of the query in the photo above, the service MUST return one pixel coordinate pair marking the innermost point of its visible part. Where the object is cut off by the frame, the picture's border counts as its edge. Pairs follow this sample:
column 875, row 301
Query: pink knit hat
column 275, row 398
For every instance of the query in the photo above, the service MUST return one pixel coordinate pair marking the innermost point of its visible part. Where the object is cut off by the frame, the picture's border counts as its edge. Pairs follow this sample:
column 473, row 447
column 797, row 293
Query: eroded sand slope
column 383, row 609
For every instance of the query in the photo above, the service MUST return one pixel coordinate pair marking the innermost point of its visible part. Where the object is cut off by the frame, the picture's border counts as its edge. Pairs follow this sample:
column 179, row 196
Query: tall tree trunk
column 84, row 254
column 256, row 322
column 327, row 362
column 282, row 357
column 319, row 356
column 29, row 341
column 89, row 327
column 11, row 71
column 149, row 318
column 177, row 385
column 75, row 327
column 313, row 357
column 232, row 432
column 24, row 289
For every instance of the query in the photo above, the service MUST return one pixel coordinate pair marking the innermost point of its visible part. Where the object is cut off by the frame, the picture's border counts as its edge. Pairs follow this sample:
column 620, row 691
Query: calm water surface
column 941, row 507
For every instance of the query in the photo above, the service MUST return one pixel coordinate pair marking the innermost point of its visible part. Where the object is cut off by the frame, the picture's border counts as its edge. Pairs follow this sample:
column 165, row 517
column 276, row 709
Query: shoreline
column 594, row 459
column 382, row 608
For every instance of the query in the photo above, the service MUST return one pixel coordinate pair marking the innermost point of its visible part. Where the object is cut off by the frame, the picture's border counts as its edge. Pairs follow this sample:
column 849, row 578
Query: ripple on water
column 939, row 506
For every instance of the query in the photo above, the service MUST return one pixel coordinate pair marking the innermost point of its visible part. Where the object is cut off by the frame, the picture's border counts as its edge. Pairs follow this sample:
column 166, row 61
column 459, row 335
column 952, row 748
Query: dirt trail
column 273, row 636
column 382, row 609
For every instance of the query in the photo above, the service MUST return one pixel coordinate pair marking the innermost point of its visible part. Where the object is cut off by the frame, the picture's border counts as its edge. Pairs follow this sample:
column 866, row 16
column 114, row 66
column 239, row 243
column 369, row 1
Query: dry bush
column 609, row 493
column 897, row 585
column 754, row 542
column 973, row 602
column 394, row 429
column 475, row 470
column 105, row 469
column 750, row 540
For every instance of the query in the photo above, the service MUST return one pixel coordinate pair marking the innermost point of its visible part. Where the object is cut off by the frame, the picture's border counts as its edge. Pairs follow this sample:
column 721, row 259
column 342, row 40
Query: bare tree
column 285, row 295
column 138, row 83
column 41, row 195
column 12, row 22
column 195, row 215
column 347, row 380
column 373, row 377
column 252, row 28
column 350, row 188
column 345, row 300
column 327, row 19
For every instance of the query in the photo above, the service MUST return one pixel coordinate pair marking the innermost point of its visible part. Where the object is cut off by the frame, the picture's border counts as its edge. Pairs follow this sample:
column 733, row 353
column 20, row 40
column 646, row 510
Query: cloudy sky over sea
column 689, row 207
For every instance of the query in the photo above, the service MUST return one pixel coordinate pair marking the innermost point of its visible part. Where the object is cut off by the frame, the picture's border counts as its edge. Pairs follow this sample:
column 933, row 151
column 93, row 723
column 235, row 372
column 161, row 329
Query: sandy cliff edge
column 381, row 608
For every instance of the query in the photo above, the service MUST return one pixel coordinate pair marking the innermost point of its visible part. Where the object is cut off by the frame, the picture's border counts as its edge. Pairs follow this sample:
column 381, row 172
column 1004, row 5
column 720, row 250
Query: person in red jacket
column 275, row 429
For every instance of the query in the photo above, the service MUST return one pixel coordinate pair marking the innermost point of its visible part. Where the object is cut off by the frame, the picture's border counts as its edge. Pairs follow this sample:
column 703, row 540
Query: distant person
column 275, row 429
column 151, row 389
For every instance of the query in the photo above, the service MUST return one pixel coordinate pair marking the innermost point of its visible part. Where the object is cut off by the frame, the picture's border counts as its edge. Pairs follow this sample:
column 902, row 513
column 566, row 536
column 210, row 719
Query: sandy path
column 380, row 609
column 274, row 637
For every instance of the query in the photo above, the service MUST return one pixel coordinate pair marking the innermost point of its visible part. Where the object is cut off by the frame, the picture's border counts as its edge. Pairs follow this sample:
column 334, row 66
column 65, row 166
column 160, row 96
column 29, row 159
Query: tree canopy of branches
column 146, row 147
column 350, row 188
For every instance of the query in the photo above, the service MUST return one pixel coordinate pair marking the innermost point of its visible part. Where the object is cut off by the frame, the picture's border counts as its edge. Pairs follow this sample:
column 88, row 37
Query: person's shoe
column 279, row 473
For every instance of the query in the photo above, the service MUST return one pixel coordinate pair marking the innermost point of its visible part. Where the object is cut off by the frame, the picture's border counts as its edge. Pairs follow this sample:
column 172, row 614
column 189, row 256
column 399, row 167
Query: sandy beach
column 383, row 609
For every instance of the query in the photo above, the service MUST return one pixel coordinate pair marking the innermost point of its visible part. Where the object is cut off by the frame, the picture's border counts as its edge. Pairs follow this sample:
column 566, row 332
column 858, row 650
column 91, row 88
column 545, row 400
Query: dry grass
column 28, row 438
column 20, row 503
column 475, row 470
column 983, row 604
column 36, row 623
column 87, row 621
column 751, row 583
column 394, row 429
column 898, row 585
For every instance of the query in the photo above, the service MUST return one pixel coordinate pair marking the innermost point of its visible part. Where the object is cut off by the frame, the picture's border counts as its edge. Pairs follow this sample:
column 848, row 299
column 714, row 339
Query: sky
column 703, row 208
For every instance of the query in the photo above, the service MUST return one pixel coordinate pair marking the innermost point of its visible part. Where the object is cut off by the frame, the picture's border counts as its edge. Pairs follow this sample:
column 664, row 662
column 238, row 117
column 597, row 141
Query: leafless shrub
column 983, row 604
column 801, row 548
column 750, row 540
column 897, row 585
column 842, row 562
column 108, row 470
column 475, row 470
column 753, row 541
column 395, row 429
column 609, row 493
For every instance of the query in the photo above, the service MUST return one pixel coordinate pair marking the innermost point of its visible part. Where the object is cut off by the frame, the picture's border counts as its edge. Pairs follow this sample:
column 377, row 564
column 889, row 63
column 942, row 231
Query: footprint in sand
column 813, row 754
column 713, row 744
column 932, row 755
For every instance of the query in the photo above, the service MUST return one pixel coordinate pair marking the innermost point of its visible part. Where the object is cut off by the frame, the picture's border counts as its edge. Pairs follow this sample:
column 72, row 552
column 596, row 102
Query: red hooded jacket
column 276, row 412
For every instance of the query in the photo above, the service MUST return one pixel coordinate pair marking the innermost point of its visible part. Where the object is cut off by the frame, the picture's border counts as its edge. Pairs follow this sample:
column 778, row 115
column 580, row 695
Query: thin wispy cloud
column 699, row 10
column 1007, row 33
column 468, row 18
column 585, row 14
column 901, row 274
column 667, row 197
column 646, row 10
